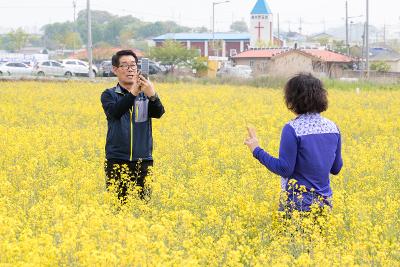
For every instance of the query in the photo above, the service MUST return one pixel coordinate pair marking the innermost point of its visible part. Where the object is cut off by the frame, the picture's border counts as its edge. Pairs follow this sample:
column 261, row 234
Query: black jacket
column 129, row 135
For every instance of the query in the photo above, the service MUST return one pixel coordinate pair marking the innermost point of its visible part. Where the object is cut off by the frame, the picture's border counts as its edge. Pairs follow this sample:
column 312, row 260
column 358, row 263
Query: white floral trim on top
column 313, row 123
column 284, row 182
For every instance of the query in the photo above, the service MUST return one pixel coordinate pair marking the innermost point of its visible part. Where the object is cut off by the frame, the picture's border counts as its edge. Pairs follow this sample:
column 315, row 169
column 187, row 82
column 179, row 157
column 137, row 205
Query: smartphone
column 144, row 67
column 146, row 76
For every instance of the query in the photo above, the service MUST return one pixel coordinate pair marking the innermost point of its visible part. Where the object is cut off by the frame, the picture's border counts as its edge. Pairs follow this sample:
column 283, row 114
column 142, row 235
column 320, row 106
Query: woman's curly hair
column 305, row 94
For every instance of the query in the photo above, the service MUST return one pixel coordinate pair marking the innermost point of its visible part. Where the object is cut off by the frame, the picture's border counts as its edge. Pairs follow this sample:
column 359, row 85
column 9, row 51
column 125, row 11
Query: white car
column 78, row 67
column 51, row 68
column 14, row 68
column 243, row 71
column 240, row 71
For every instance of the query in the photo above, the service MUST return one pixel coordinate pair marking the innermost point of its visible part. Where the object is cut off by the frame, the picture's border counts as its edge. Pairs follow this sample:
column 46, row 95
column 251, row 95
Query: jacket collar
column 120, row 90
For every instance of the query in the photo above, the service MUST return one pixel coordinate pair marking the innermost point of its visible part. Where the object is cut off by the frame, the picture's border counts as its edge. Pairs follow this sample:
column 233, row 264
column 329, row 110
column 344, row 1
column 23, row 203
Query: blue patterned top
column 310, row 150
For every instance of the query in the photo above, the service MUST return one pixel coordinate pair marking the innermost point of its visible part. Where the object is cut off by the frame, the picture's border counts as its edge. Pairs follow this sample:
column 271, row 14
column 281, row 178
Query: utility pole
column 350, row 31
column 213, row 29
column 89, row 40
column 279, row 33
column 347, row 29
column 384, row 34
column 363, row 46
column 300, row 25
column 74, row 5
column 367, row 40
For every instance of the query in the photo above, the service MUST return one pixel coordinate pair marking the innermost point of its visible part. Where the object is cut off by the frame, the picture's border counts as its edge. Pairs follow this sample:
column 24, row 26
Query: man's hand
column 146, row 86
column 135, row 89
column 251, row 141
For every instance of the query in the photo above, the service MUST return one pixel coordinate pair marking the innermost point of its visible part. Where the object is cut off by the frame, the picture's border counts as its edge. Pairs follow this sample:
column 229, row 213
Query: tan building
column 394, row 65
column 286, row 63
column 257, row 59
column 386, row 55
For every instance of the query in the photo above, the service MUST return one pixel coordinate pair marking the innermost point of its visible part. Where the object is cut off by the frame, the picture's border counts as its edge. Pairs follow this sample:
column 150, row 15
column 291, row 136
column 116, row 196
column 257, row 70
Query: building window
column 232, row 52
column 251, row 63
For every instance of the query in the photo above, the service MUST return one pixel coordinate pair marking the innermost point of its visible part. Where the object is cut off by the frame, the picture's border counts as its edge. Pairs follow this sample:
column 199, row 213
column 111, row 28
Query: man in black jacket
column 129, row 108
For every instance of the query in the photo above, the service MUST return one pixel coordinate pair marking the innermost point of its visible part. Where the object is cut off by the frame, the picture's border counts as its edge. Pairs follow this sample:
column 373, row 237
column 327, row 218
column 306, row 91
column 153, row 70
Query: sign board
column 213, row 58
column 212, row 68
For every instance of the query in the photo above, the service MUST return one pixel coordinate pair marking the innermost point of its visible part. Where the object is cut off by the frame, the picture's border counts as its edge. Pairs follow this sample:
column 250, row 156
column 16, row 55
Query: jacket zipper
column 130, row 115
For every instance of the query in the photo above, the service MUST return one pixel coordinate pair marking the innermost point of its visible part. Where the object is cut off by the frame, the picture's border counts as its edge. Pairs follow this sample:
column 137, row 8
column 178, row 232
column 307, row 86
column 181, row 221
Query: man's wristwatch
column 153, row 97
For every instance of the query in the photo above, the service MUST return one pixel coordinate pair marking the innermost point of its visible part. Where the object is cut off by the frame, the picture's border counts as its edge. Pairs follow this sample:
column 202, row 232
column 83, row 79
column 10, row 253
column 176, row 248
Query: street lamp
column 350, row 31
column 213, row 22
column 74, row 5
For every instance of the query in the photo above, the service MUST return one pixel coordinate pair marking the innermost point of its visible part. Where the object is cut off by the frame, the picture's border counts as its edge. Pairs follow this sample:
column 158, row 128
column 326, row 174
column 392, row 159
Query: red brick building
column 228, row 44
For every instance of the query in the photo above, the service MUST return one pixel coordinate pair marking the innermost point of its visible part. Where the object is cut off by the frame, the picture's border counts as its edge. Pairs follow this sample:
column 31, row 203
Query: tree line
column 107, row 30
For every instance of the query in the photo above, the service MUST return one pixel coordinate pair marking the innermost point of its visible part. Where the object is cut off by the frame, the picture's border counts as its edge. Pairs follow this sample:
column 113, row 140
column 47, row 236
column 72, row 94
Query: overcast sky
column 315, row 14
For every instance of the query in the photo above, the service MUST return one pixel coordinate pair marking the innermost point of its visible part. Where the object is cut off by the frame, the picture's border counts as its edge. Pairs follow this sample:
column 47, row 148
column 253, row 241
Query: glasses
column 127, row 67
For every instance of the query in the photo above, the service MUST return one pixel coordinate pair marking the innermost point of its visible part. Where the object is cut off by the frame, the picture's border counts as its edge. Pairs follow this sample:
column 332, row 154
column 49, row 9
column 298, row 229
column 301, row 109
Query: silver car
column 51, row 68
column 15, row 69
column 105, row 69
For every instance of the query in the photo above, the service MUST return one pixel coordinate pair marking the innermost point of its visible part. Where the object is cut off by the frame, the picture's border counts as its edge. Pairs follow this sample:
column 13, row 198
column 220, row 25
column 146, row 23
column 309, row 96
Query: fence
column 360, row 74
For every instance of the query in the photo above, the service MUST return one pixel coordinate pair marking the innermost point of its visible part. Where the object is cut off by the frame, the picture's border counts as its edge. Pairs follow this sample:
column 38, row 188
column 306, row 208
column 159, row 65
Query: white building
column 261, row 30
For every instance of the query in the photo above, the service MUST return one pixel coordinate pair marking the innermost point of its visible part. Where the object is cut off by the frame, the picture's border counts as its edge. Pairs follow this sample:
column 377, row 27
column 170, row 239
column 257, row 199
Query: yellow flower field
column 213, row 204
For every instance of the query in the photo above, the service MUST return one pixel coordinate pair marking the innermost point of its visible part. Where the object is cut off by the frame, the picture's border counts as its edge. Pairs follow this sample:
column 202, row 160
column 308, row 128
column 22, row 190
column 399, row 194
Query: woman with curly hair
column 310, row 147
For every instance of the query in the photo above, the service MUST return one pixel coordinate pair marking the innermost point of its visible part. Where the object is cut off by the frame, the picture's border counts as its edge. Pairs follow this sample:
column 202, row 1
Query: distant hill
column 356, row 32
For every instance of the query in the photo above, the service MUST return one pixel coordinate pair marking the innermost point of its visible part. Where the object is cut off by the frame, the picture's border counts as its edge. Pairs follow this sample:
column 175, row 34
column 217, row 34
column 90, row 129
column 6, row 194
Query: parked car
column 28, row 63
column 15, row 68
column 105, row 69
column 51, row 68
column 78, row 67
column 239, row 71
column 165, row 68
column 154, row 67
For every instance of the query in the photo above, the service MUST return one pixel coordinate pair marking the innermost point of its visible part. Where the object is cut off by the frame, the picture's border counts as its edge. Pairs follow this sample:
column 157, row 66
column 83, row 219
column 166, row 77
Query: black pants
column 123, row 176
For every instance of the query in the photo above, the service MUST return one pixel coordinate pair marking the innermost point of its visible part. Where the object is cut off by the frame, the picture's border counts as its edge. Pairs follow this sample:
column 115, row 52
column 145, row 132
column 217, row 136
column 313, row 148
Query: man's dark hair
column 115, row 58
column 304, row 93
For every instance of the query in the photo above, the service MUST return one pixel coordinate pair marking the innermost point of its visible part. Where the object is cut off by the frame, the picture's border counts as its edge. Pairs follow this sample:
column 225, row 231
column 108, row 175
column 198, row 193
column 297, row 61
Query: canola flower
column 212, row 203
